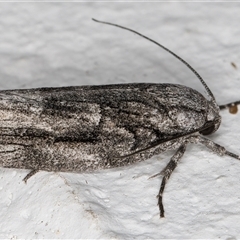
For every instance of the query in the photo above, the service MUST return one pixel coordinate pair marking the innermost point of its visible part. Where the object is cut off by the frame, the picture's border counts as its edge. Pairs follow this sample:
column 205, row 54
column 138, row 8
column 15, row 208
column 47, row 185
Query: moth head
column 213, row 119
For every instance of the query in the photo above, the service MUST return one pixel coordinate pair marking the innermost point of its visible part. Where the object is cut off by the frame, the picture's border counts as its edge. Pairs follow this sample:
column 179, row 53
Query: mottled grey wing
column 84, row 128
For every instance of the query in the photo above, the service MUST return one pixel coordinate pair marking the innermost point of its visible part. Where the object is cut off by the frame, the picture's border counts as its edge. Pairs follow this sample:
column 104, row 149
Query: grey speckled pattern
column 85, row 128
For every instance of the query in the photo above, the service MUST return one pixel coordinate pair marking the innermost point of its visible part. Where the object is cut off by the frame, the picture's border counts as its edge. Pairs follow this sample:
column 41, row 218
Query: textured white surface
column 57, row 44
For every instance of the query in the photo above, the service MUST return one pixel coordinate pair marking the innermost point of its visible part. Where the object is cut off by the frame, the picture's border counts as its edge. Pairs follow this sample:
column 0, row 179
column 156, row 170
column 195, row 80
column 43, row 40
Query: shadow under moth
column 87, row 128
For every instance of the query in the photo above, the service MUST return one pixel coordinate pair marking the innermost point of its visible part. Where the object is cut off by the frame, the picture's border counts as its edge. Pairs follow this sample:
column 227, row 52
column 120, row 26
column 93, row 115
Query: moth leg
column 167, row 173
column 157, row 174
column 232, row 107
column 216, row 147
column 30, row 174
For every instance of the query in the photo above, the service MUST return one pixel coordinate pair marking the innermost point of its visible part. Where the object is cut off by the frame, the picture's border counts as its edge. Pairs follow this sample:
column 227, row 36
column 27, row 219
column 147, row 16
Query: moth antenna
column 210, row 94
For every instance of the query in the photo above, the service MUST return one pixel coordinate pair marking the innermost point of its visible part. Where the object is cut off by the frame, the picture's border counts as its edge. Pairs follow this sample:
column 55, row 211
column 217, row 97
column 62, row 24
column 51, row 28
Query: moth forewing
column 82, row 128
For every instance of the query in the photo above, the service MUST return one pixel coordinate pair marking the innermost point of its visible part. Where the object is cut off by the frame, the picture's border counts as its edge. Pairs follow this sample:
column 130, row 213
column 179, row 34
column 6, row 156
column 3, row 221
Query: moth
column 87, row 128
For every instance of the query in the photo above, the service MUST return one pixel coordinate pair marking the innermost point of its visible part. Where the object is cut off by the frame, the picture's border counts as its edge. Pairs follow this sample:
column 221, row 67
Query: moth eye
column 208, row 131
